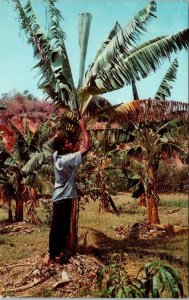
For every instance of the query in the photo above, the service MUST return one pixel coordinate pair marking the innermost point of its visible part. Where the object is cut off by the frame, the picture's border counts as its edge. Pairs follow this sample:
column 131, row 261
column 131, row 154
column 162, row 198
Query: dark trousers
column 60, row 226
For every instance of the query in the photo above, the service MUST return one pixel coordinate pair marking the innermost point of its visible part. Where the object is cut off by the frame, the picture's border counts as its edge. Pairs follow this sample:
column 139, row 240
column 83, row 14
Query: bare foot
column 63, row 258
column 48, row 260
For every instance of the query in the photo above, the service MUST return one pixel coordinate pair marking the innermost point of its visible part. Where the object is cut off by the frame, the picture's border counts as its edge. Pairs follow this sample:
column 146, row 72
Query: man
column 67, row 157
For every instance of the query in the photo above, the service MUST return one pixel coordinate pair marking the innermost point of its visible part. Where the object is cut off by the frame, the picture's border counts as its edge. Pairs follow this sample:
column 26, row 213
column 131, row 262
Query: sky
column 16, row 55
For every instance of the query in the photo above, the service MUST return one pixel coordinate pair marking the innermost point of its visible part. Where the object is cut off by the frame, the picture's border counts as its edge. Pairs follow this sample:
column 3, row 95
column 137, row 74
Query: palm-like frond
column 46, row 170
column 42, row 134
column 37, row 183
column 35, row 36
column 174, row 130
column 11, row 161
column 52, row 62
column 121, row 42
column 148, row 110
column 165, row 87
column 57, row 36
column 113, row 32
column 135, row 64
column 116, row 64
column 34, row 163
column 61, row 65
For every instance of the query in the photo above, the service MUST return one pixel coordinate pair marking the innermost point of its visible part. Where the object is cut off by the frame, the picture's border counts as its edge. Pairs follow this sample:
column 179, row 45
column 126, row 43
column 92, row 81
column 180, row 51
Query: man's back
column 65, row 167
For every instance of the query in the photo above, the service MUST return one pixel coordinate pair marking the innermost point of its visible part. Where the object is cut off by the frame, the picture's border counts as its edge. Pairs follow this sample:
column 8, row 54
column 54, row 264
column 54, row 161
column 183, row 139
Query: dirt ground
column 31, row 277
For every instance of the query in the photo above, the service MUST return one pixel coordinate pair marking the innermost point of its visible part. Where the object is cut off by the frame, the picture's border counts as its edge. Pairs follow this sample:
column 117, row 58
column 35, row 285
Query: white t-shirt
column 65, row 167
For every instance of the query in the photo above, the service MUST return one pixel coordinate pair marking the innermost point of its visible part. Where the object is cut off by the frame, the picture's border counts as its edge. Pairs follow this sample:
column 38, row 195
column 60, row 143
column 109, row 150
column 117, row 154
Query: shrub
column 115, row 282
column 172, row 178
column 39, row 110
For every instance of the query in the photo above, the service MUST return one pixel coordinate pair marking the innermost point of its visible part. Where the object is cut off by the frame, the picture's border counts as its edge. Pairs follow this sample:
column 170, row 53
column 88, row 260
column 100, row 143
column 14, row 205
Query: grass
column 98, row 229
column 23, row 245
column 173, row 200
column 131, row 213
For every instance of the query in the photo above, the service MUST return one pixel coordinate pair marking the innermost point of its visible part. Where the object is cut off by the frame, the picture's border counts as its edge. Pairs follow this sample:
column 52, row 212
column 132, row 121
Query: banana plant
column 25, row 158
column 25, row 166
column 118, row 62
column 141, row 156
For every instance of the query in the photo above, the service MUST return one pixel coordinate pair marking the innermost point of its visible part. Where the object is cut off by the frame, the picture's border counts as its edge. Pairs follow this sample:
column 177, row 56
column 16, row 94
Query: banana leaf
column 164, row 89
column 135, row 64
column 84, row 29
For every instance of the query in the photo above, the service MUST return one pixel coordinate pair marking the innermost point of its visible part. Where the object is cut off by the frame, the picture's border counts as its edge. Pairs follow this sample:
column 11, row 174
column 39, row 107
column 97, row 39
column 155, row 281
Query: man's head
column 65, row 144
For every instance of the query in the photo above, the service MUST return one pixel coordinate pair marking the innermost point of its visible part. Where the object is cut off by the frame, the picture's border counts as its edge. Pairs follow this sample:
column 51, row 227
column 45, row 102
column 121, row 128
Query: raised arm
column 86, row 139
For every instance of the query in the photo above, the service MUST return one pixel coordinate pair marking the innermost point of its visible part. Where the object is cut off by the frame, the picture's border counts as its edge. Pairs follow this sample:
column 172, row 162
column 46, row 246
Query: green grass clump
column 18, row 246
column 174, row 203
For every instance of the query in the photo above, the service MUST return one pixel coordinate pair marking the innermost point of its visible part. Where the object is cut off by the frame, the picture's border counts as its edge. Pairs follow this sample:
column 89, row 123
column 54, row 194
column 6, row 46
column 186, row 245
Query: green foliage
column 155, row 50
column 47, row 211
column 99, row 184
column 160, row 277
column 172, row 178
column 149, row 142
column 117, row 63
column 27, row 166
column 56, row 78
column 116, row 283
column 165, row 87
column 23, row 166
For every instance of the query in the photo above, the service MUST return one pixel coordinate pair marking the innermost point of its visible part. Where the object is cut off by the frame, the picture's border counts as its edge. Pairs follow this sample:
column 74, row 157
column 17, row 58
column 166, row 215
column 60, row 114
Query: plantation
column 129, row 227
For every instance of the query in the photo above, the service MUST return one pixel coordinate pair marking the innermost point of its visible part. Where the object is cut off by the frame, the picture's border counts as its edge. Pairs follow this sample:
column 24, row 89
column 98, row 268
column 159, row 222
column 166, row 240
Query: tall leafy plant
column 25, row 157
column 117, row 63
column 99, row 183
column 25, row 163
column 140, row 158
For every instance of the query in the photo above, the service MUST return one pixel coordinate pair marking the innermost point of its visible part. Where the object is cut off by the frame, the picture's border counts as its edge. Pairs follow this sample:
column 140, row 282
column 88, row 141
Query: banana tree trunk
column 142, row 200
column 72, row 240
column 19, row 211
column 104, row 204
column 151, row 197
column 10, row 216
column 152, row 209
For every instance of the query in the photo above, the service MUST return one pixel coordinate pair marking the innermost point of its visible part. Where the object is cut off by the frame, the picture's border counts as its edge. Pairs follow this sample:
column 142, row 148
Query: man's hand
column 82, row 123
column 86, row 140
